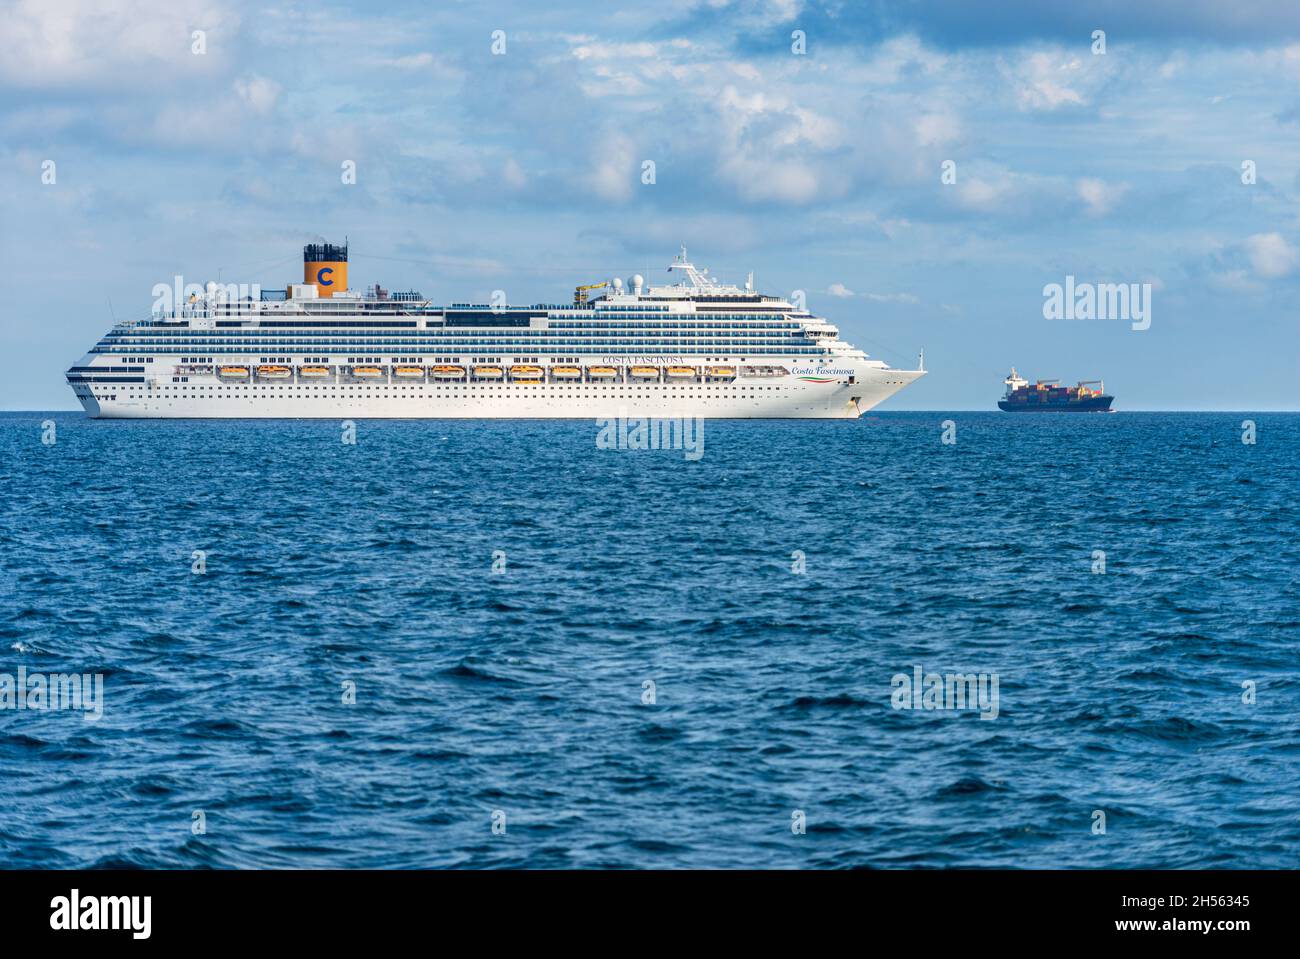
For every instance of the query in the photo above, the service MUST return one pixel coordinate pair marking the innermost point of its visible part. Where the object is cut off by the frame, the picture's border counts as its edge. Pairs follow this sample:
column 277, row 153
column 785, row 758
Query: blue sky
column 819, row 172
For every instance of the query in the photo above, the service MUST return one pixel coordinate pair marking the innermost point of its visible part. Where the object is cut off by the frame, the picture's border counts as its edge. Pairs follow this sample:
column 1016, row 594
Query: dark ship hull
column 1086, row 404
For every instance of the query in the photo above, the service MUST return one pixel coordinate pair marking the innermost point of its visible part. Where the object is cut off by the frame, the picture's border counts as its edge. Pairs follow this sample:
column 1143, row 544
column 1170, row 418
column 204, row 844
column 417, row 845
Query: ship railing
column 209, row 310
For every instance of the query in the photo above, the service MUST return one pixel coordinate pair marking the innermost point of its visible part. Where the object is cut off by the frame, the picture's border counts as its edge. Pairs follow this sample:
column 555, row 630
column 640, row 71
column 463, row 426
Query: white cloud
column 258, row 92
column 759, row 14
column 980, row 195
column 1044, row 81
column 604, row 50
column 1232, row 281
column 936, row 129
column 843, row 292
column 1099, row 196
column 83, row 42
column 182, row 123
column 1270, row 255
column 414, row 61
column 782, row 10
column 773, row 131
column 615, row 173
column 423, row 62
column 769, row 148
column 786, row 182
column 513, row 175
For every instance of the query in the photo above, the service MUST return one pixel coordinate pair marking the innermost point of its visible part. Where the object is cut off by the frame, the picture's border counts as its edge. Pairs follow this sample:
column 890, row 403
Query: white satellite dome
column 616, row 283
column 637, row 282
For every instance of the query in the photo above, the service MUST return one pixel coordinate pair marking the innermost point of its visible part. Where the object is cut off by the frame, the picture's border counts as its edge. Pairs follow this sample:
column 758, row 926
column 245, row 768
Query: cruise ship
column 694, row 347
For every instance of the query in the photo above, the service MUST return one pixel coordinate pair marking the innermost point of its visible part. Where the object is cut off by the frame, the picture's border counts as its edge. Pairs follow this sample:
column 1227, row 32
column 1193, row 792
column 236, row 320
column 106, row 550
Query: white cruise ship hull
column 320, row 350
column 768, row 397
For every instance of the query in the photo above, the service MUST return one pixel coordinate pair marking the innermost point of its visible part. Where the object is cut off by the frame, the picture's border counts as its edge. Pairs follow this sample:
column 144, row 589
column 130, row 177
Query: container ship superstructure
column 1048, row 396
column 696, row 347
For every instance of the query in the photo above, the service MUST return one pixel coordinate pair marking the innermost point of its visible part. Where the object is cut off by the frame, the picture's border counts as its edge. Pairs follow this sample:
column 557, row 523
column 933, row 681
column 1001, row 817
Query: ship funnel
column 325, row 266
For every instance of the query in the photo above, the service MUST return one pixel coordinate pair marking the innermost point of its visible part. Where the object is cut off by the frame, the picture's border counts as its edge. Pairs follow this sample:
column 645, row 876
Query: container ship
column 1046, row 396
column 696, row 347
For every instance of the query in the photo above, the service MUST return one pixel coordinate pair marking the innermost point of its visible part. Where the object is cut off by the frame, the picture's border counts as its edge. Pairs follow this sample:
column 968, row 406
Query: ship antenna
column 922, row 366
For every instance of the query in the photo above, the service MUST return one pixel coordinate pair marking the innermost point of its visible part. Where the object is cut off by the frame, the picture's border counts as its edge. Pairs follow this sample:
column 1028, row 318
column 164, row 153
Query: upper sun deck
column 698, row 293
column 606, row 306
column 632, row 313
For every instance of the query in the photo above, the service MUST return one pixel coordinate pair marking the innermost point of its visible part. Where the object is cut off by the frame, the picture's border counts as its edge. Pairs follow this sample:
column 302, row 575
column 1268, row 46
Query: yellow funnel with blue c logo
column 326, row 266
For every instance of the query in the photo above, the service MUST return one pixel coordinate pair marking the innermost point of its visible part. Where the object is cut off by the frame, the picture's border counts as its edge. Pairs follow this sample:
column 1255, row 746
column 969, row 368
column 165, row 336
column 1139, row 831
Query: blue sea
column 494, row 644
